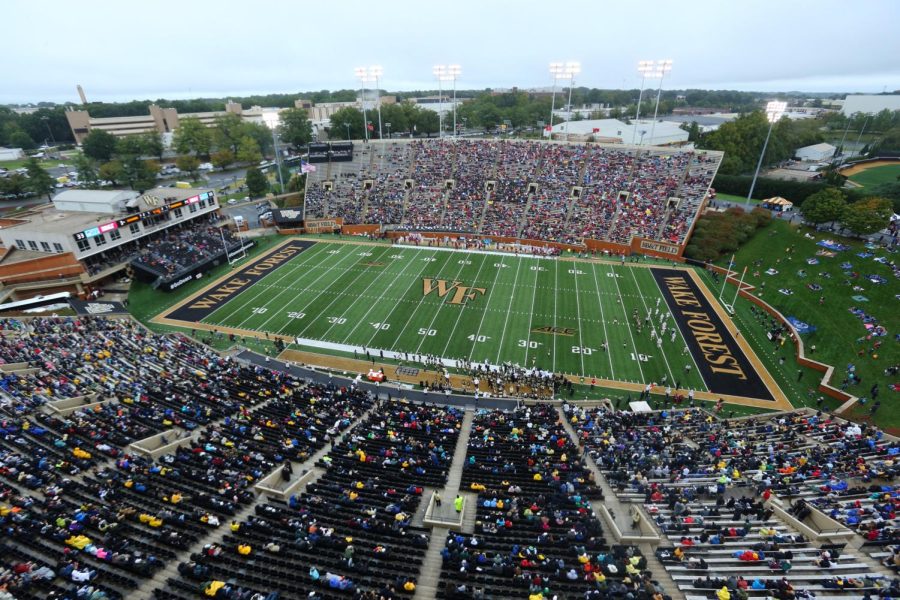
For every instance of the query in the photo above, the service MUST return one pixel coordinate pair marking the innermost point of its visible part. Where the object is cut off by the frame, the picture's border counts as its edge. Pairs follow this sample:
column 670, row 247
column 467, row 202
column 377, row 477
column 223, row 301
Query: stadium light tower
column 372, row 75
column 446, row 73
column 440, row 71
column 662, row 67
column 362, row 74
column 644, row 67
column 774, row 110
column 454, row 71
column 271, row 119
column 572, row 69
column 563, row 71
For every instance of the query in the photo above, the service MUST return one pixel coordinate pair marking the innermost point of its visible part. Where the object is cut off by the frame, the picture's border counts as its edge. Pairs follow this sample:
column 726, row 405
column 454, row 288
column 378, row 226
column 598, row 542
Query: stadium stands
column 179, row 250
column 523, row 189
column 85, row 515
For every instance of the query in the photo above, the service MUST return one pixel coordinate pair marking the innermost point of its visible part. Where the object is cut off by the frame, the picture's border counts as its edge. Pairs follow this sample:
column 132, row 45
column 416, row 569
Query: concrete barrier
column 162, row 443
column 64, row 408
column 647, row 534
column 818, row 527
column 444, row 515
column 269, row 484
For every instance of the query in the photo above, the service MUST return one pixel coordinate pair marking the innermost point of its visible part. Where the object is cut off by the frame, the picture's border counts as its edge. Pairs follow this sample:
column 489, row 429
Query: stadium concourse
column 132, row 465
column 549, row 191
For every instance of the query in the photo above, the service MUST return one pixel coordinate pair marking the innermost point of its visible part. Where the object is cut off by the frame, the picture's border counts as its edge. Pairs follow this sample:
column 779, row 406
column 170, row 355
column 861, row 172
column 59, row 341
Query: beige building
column 160, row 120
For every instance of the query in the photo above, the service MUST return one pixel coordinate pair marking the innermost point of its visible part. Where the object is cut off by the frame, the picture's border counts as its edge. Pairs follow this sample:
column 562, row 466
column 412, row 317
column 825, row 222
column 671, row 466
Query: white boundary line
column 653, row 325
column 580, row 326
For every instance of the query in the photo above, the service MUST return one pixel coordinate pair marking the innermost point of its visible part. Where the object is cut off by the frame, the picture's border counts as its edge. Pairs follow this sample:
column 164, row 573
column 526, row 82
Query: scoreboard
column 323, row 152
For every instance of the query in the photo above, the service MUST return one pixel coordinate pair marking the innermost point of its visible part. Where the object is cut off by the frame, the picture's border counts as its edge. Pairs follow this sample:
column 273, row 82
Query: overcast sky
column 123, row 50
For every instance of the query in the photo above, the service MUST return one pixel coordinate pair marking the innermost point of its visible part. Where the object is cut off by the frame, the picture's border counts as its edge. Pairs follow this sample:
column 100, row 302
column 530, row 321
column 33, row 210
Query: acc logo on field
column 555, row 330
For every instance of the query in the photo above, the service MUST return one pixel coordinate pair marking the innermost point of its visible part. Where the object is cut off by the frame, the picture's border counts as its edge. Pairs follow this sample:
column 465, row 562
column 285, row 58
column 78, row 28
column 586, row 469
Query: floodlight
column 774, row 110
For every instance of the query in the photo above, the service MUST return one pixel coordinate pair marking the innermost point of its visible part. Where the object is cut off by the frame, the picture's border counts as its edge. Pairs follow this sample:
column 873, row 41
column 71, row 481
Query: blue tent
column 800, row 326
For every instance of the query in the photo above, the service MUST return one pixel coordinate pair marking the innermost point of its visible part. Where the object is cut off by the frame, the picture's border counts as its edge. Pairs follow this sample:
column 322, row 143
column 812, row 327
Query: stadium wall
column 48, row 267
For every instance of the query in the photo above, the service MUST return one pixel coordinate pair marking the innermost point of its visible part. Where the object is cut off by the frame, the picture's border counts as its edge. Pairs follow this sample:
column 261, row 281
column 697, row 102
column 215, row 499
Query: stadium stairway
column 430, row 573
column 215, row 536
column 621, row 516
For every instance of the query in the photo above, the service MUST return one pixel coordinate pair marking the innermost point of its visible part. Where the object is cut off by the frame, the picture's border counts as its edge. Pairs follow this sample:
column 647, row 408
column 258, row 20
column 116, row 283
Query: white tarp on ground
column 640, row 407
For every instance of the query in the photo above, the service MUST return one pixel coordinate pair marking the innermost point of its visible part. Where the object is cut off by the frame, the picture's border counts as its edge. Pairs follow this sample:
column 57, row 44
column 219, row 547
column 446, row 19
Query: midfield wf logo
column 461, row 293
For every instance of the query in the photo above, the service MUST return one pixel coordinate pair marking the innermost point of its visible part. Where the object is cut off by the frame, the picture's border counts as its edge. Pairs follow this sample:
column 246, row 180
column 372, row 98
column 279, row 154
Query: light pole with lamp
column 556, row 69
column 440, row 71
column 347, row 125
column 369, row 75
column 572, row 69
column 454, row 71
column 388, row 125
column 271, row 120
column 774, row 110
column 363, row 75
column 662, row 67
column 644, row 67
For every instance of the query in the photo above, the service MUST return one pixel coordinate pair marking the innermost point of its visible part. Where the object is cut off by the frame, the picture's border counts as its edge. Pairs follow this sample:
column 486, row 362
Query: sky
column 124, row 50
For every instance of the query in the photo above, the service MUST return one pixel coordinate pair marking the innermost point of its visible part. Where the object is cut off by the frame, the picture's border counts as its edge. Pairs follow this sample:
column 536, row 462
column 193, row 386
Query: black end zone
column 723, row 365
column 206, row 303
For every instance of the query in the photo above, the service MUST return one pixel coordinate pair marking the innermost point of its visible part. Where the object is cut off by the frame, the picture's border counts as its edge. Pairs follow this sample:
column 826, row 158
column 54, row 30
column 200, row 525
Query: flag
column 307, row 168
column 370, row 127
column 596, row 130
column 548, row 128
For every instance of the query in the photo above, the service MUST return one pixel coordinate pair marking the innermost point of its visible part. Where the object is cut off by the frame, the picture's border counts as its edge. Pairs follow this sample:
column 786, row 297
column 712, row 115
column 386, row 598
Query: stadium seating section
column 523, row 189
column 85, row 515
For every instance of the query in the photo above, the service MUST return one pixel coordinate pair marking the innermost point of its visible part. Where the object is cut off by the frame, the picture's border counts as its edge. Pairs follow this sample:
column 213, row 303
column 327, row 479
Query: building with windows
column 99, row 229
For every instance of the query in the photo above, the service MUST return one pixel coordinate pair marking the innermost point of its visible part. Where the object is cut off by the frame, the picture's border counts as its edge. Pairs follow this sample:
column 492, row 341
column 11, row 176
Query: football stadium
column 462, row 369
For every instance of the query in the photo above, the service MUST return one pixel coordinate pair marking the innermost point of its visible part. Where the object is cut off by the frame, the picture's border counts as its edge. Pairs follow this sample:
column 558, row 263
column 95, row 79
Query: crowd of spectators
column 520, row 189
column 706, row 483
column 175, row 251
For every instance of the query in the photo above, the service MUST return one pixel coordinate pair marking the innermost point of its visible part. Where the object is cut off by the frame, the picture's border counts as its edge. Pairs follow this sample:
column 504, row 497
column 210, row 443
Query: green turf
column 326, row 294
column 877, row 175
column 840, row 335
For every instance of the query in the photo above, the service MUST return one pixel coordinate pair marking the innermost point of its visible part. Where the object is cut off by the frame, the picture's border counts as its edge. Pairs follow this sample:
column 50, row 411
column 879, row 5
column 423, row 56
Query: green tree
column 393, row 114
column 139, row 174
column 112, row 171
column 295, row 128
column 229, row 131
column 257, row 183
column 153, row 144
column 87, row 171
column 428, row 122
column 248, row 151
column 19, row 139
column 868, row 215
column 99, row 145
column 825, row 206
column 222, row 159
column 192, row 137
column 343, row 117
column 261, row 134
column 130, row 146
column 39, row 180
column 189, row 164
column 13, row 186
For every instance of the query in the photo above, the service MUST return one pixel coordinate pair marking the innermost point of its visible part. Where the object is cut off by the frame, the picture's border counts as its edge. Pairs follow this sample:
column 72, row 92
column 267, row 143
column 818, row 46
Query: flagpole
column 727, row 271
column 740, row 283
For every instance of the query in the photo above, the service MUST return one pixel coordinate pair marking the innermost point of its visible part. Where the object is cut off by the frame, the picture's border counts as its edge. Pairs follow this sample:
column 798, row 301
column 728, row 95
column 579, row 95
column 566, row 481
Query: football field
column 574, row 317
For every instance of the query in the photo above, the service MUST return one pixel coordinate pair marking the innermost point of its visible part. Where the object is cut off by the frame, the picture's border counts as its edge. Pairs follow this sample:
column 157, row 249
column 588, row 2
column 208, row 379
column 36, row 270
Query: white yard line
column 462, row 267
column 337, row 296
column 463, row 308
column 653, row 326
column 555, row 298
column 262, row 289
column 512, row 296
column 603, row 320
column 298, row 293
column 537, row 275
column 409, row 261
column 637, row 358
column 578, row 312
